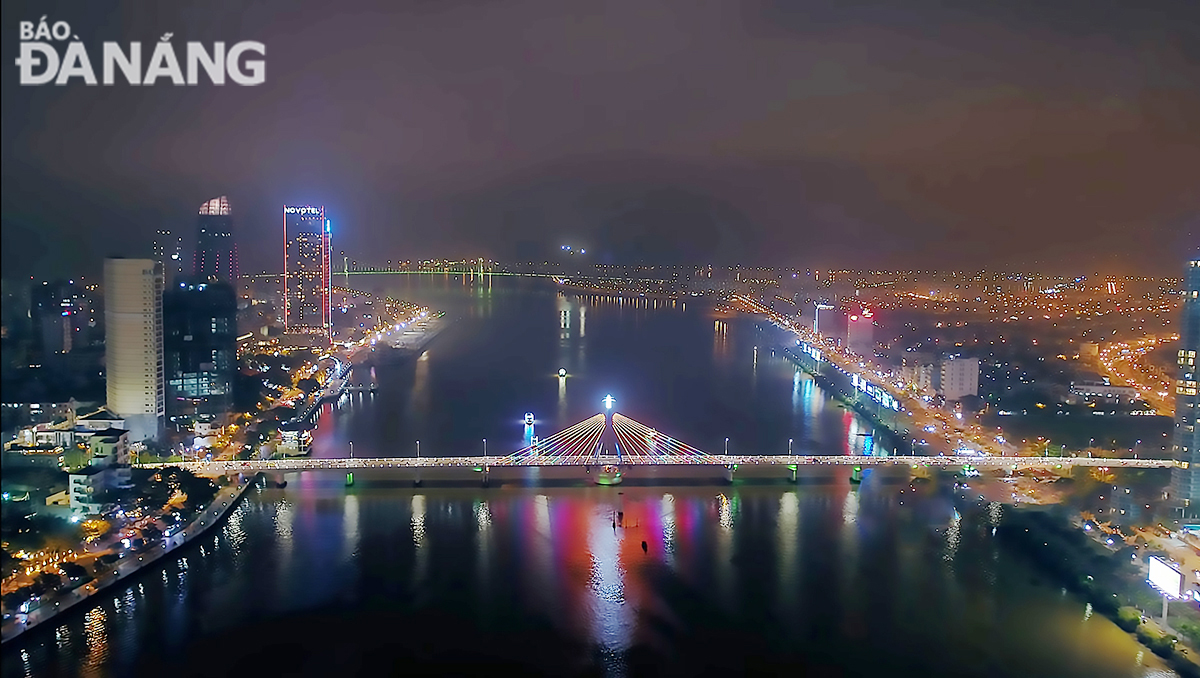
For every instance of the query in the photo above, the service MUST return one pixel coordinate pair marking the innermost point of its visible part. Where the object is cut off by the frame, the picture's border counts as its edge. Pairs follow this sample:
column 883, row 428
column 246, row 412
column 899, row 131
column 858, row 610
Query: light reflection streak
column 285, row 517
column 953, row 536
column 612, row 621
column 542, row 543
column 724, row 547
column 419, row 401
column 350, row 529
column 235, row 531
column 562, row 400
column 418, row 520
column 796, row 392
column 483, row 528
column 418, row 537
column 668, row 529
column 788, row 541
column 95, row 631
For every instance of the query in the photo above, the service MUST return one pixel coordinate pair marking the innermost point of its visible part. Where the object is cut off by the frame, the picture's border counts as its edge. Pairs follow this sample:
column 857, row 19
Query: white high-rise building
column 134, row 344
column 959, row 377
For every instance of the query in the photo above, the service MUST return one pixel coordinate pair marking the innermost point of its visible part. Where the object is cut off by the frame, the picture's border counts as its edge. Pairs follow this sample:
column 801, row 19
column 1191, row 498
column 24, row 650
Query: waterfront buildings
column 1185, row 482
column 216, row 253
column 134, row 344
column 200, row 352
column 307, row 284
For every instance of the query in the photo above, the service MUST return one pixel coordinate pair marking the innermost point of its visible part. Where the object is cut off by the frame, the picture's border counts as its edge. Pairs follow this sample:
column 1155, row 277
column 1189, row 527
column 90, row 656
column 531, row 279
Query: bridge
column 631, row 443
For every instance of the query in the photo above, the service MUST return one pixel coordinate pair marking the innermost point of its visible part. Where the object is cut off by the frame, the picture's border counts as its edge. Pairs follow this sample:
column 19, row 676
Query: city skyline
column 601, row 339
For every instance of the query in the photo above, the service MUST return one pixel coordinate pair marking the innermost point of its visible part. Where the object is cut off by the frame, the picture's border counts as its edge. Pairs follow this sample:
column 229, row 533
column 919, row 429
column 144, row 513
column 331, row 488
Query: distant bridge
column 631, row 443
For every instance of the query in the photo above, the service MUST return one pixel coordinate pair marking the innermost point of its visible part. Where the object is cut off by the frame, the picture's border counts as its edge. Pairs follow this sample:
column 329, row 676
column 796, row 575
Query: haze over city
column 762, row 132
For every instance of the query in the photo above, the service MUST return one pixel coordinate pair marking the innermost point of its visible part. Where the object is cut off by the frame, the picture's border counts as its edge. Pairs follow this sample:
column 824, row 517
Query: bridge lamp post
column 351, row 449
column 727, row 446
column 789, row 447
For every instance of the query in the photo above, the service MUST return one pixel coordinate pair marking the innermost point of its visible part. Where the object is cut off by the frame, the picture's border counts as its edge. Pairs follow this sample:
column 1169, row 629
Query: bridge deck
column 303, row 463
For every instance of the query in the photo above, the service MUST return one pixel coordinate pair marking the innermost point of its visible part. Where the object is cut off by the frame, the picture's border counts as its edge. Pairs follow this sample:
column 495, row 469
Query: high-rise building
column 1185, row 482
column 958, row 377
column 200, row 351
column 306, row 275
column 133, row 321
column 216, row 253
column 60, row 314
column 860, row 333
column 168, row 249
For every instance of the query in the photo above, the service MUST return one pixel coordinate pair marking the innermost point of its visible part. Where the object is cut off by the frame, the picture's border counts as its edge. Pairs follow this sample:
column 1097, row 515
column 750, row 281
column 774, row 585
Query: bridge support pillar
column 794, row 474
column 729, row 472
column 417, row 480
column 485, row 476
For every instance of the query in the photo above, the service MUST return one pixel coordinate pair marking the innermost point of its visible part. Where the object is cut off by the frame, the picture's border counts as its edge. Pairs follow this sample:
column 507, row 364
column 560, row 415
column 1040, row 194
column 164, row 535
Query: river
column 764, row 576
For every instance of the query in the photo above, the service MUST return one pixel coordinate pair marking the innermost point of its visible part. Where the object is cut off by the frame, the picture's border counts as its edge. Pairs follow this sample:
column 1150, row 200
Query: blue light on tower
column 608, row 402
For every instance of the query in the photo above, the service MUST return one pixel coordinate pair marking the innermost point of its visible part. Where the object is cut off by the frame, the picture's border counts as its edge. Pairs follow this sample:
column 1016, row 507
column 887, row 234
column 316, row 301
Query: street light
column 727, row 446
column 789, row 447
column 351, row 449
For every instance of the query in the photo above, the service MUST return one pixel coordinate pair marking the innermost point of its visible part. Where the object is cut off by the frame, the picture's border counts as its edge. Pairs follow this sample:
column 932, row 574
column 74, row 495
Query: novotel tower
column 306, row 279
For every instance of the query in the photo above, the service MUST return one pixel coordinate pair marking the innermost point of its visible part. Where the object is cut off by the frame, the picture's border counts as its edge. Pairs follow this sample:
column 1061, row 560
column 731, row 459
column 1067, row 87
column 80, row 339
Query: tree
column 94, row 528
column 308, row 385
column 13, row 599
column 8, row 563
column 74, row 570
column 50, row 580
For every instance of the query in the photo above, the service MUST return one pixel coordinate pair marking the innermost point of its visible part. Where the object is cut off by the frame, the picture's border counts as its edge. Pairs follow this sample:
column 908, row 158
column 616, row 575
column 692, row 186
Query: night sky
column 831, row 132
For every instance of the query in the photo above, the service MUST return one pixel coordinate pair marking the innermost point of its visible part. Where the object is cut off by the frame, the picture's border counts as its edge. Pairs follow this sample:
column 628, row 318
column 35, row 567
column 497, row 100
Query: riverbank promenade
column 52, row 606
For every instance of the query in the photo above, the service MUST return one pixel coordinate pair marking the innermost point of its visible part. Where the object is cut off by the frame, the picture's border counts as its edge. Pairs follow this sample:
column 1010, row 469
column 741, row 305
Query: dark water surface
column 817, row 579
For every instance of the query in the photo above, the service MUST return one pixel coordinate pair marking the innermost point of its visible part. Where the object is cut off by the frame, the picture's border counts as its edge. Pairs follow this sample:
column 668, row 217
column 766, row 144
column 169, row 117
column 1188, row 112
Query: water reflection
column 611, row 619
column 808, row 571
column 350, row 534
column 95, row 628
column 787, row 544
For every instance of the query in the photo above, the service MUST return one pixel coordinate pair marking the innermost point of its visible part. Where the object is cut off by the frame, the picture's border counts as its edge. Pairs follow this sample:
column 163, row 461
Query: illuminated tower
column 306, row 276
column 1185, row 482
column 216, row 253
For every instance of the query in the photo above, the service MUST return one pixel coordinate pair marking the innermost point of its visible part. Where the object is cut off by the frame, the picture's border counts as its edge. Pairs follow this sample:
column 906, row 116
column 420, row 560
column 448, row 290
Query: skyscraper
column 216, row 253
column 1185, row 482
column 59, row 311
column 200, row 352
column 134, row 344
column 168, row 249
column 306, row 276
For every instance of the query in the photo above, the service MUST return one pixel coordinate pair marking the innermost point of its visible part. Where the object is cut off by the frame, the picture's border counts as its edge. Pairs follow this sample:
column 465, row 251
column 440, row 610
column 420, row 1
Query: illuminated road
column 943, row 433
column 1124, row 361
